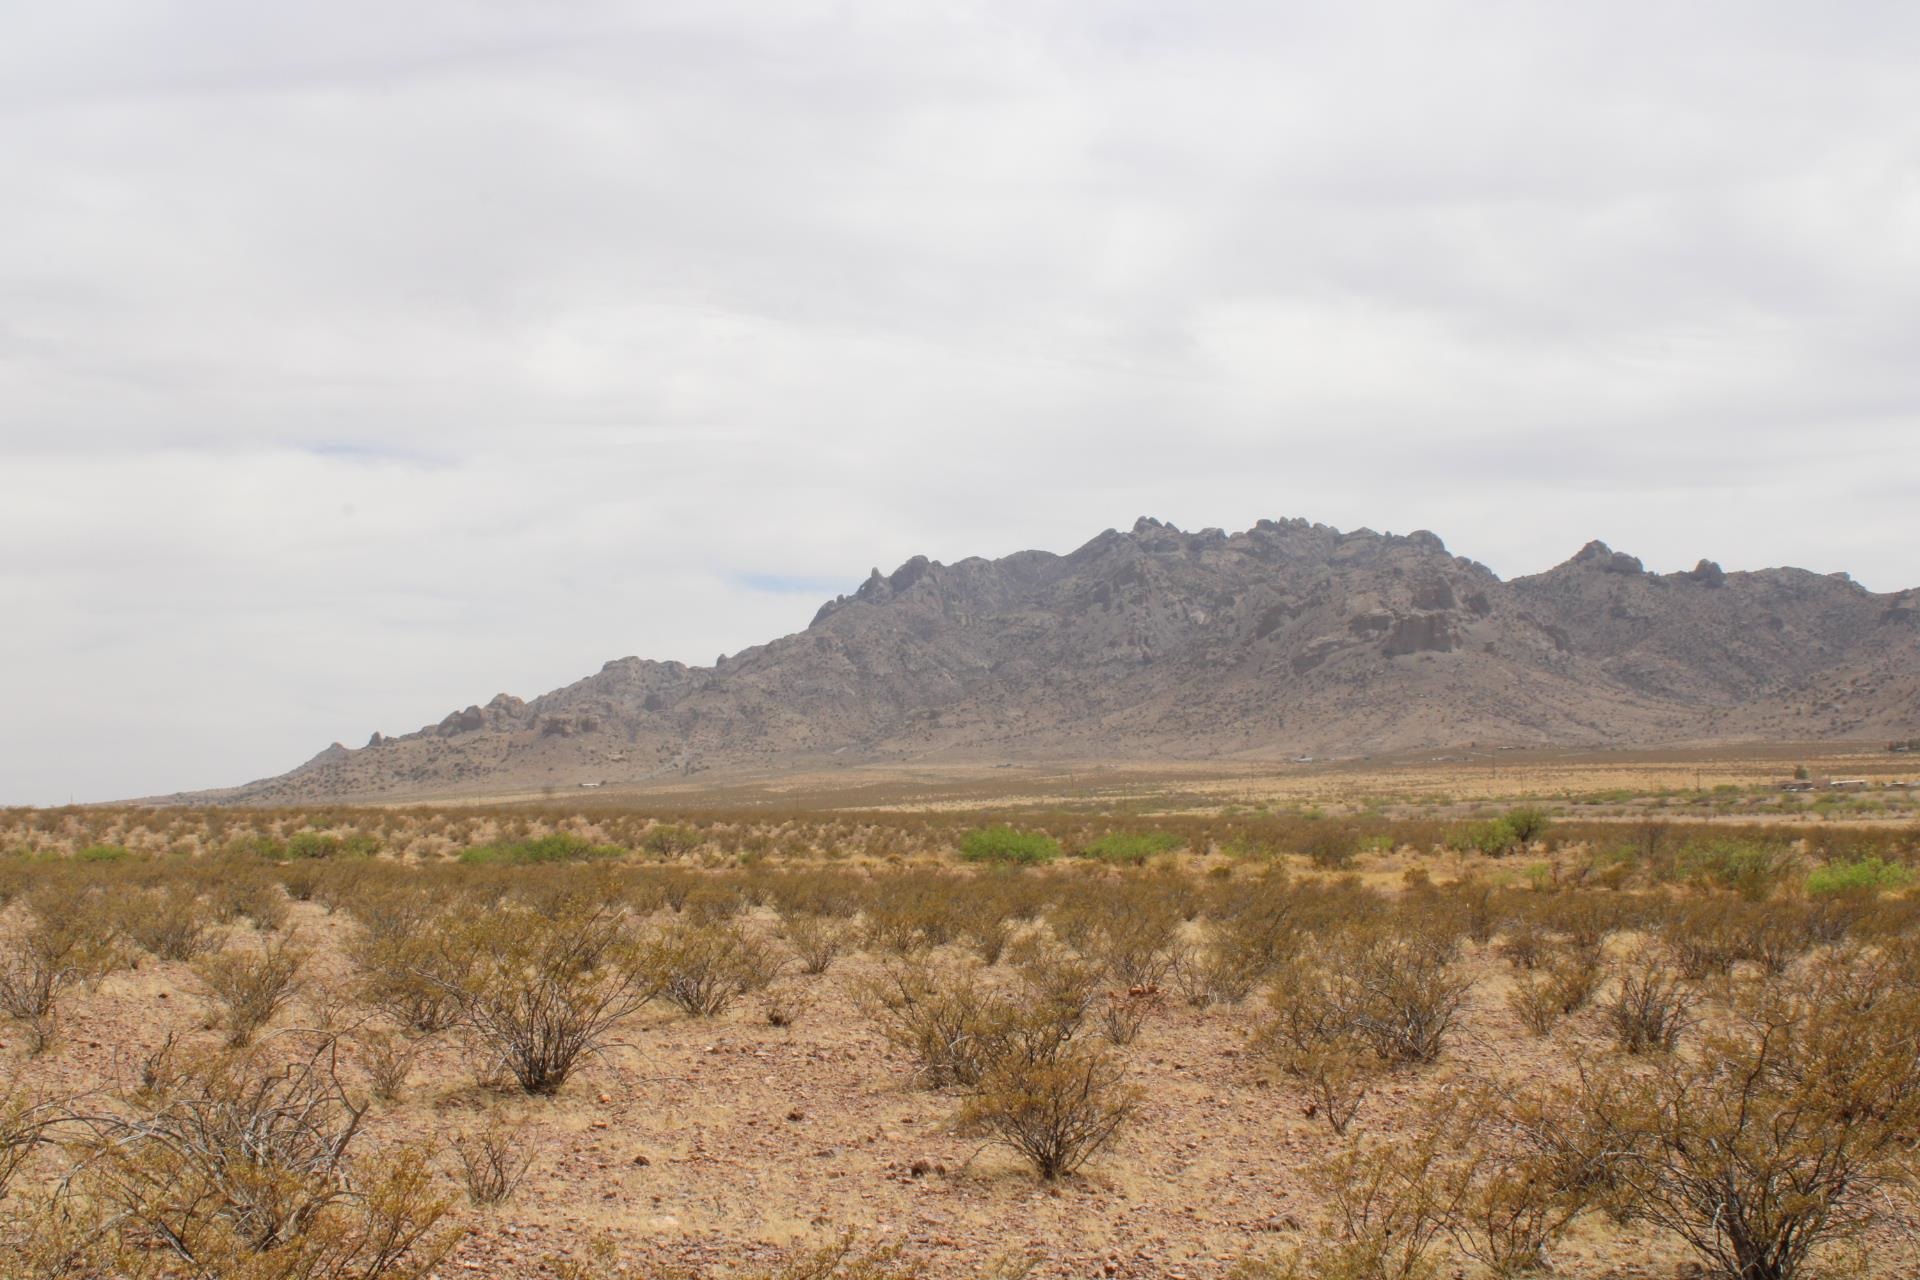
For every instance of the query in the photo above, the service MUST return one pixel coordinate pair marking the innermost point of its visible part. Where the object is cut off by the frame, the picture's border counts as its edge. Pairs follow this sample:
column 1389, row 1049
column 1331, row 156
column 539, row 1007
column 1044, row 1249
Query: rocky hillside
column 1156, row 644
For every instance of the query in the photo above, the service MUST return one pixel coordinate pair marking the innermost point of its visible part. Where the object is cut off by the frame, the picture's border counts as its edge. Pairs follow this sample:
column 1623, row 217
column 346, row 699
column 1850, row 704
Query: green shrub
column 104, row 853
column 1004, row 844
column 1528, row 825
column 1863, row 877
column 1750, row 868
column 558, row 847
column 1495, row 838
column 312, row 844
column 1130, row 847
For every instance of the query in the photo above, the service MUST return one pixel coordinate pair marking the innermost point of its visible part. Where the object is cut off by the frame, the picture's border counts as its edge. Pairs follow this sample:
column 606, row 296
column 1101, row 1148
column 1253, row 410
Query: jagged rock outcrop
column 1155, row 643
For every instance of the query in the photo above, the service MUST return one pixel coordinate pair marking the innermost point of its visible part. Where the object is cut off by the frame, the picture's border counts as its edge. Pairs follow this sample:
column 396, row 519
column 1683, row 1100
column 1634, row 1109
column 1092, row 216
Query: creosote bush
column 244, row 1165
column 545, row 988
column 1005, row 844
column 251, row 985
column 1057, row 1111
column 703, row 968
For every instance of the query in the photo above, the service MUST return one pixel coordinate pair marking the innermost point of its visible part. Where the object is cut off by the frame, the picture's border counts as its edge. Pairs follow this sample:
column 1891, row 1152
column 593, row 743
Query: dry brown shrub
column 388, row 1059
column 543, row 991
column 1386, row 1212
column 1563, row 986
column 170, row 924
column 1791, row 1129
column 703, row 968
column 414, row 977
column 1390, row 985
column 241, row 1165
column 1217, row 973
column 494, row 1159
column 1058, row 1111
column 1651, row 1006
column 251, row 985
column 1124, row 1013
column 817, row 940
column 957, row 1028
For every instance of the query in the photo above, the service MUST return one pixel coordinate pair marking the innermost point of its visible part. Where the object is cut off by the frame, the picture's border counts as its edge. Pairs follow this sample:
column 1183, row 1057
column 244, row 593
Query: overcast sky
column 359, row 361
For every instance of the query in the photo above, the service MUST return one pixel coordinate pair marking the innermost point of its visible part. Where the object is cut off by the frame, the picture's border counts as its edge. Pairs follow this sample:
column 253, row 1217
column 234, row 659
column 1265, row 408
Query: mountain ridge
column 1154, row 643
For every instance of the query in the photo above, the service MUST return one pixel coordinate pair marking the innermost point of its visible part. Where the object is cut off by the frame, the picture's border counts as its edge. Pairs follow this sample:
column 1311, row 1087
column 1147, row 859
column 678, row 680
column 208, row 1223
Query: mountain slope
column 1158, row 644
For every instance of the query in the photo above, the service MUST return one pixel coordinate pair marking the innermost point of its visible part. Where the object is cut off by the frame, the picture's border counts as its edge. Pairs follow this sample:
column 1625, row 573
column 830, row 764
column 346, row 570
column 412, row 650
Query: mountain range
column 1156, row 644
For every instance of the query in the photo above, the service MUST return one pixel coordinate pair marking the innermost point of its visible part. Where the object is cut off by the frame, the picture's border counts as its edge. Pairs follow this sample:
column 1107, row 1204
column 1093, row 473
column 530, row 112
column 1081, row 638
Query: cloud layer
column 358, row 361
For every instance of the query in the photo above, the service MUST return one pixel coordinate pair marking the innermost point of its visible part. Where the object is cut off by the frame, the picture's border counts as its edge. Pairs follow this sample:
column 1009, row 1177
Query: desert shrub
column 1709, row 936
column 1331, row 846
column 1131, row 934
column 494, row 1159
column 1866, row 877
column 1525, row 943
column 1561, row 987
column 32, row 975
column 1751, row 868
column 1392, row 987
column 1650, row 1008
column 312, row 844
column 241, row 1165
column 817, row 940
column 1787, row 1132
column 561, row 846
column 1494, row 838
column 703, row 968
column 945, row 1021
column 250, row 985
column 250, row 893
column 957, row 1029
column 1334, row 1072
column 1385, row 1212
column 1214, row 973
column 1262, row 923
column 1506, row 1186
column 63, row 939
column 1124, row 1013
column 104, row 853
column 388, row 1060
column 414, row 977
column 26, row 1121
column 1057, row 1111
column 668, row 840
column 170, row 924
column 543, row 991
column 1130, row 848
column 1527, row 825
column 1007, row 845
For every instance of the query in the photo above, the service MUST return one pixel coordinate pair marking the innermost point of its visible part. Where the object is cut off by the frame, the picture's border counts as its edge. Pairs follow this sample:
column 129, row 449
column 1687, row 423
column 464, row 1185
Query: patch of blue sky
column 787, row 584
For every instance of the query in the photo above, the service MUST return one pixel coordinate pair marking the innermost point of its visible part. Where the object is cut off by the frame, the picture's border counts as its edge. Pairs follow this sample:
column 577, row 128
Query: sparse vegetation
column 1667, row 1040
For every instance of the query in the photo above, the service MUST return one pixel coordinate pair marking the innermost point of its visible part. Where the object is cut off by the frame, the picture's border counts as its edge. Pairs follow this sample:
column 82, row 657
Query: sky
column 359, row 361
